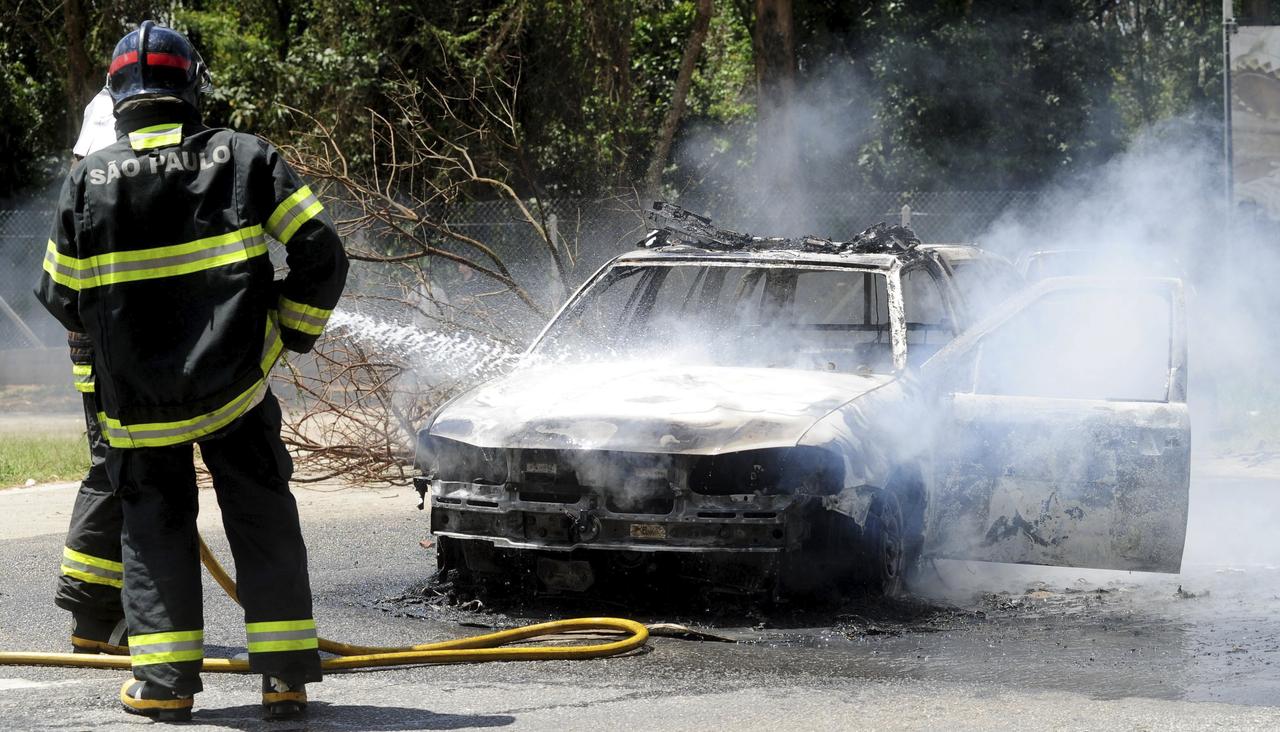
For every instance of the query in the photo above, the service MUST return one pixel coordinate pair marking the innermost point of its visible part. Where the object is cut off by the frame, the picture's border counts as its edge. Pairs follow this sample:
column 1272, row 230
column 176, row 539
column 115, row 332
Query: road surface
column 980, row 647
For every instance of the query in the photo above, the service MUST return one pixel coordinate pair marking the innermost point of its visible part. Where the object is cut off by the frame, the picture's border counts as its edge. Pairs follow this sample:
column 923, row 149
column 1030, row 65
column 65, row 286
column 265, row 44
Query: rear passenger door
column 1062, row 434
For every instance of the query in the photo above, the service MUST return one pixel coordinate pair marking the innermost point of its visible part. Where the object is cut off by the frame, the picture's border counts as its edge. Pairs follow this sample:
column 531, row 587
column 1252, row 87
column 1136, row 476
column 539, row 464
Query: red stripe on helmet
column 168, row 59
column 153, row 59
column 122, row 60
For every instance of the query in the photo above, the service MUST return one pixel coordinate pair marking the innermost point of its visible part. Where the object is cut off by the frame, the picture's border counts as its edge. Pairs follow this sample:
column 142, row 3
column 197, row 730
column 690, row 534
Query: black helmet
column 155, row 61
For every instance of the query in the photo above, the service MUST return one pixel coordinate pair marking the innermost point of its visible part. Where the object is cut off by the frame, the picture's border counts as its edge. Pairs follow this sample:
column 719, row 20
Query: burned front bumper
column 513, row 517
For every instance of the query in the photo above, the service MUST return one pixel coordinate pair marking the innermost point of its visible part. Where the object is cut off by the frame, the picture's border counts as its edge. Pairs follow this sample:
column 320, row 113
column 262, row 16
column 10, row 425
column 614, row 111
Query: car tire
column 451, row 563
column 885, row 546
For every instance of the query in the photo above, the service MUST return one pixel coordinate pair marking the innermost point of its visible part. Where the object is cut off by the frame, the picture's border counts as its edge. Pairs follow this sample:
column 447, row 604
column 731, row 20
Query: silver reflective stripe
column 110, row 268
column 51, row 261
column 245, row 402
column 304, row 317
column 185, row 645
column 296, row 210
column 203, row 254
column 90, row 569
column 119, row 634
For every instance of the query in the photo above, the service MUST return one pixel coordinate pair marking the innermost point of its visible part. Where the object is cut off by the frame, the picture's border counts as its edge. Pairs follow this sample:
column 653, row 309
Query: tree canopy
column 893, row 95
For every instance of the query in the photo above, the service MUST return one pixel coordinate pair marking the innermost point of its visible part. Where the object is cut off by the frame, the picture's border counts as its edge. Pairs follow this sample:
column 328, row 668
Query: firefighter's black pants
column 90, row 582
column 162, row 595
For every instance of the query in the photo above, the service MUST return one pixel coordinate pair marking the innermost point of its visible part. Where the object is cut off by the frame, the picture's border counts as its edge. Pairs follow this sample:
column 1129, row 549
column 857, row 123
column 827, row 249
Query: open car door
column 1063, row 436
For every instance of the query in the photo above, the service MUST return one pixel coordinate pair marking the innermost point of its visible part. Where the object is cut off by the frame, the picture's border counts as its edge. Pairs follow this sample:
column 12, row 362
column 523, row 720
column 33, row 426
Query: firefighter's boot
column 152, row 700
column 95, row 635
column 283, row 699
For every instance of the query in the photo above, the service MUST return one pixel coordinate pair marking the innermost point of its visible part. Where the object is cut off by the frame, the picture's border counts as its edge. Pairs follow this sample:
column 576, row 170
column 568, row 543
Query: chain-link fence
column 23, row 322
column 590, row 232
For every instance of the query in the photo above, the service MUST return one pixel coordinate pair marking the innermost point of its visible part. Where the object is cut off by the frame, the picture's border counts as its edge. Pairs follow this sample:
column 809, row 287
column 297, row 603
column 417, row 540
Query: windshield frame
column 892, row 274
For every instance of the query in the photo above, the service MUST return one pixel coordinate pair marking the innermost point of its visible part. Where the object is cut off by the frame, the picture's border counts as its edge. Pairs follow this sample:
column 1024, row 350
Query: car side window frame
column 932, row 269
column 954, row 368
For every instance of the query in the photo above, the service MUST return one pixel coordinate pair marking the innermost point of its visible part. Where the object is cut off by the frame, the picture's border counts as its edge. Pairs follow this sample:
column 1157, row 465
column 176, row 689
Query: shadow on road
column 324, row 716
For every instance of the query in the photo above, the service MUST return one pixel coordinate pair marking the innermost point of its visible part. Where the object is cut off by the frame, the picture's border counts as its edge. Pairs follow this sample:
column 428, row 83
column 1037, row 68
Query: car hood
column 648, row 407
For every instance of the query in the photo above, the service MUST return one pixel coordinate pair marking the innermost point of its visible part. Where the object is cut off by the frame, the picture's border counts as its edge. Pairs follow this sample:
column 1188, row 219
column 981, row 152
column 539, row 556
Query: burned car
column 770, row 414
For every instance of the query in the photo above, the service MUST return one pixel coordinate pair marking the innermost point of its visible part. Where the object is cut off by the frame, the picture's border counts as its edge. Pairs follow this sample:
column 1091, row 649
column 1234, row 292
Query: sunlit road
column 1018, row 648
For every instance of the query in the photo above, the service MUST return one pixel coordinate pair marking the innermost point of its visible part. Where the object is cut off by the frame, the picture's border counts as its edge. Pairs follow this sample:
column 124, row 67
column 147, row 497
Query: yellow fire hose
column 478, row 648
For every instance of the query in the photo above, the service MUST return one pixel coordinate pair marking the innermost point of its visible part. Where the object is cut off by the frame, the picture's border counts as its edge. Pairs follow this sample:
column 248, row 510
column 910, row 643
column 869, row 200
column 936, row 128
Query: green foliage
column 949, row 84
column 322, row 58
column 926, row 94
column 1169, row 52
column 724, row 82
column 30, row 123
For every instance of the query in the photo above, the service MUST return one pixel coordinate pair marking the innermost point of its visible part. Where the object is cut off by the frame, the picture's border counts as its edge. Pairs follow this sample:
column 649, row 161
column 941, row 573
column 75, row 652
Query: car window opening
column 827, row 319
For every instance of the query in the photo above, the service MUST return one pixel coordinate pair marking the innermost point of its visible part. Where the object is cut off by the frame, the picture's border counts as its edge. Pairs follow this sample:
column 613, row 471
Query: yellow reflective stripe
column 307, row 214
column 91, row 560
column 300, row 325
column 83, row 380
column 172, row 636
column 305, row 318
column 304, row 309
column 273, row 344
column 301, row 644
column 299, row 208
column 146, row 659
column 159, row 127
column 164, row 252
column 273, row 221
column 161, row 434
column 156, row 262
column 154, row 136
column 172, row 647
column 56, row 272
column 91, row 578
column 282, row 635
column 274, row 626
column 155, row 141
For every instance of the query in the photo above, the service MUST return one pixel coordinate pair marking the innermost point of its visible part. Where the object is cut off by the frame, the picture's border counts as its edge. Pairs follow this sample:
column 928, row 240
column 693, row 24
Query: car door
column 1061, row 434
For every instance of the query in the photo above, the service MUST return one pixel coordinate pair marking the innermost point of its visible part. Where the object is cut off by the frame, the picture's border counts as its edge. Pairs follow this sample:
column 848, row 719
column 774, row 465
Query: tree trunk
column 684, row 80
column 773, row 42
column 77, row 81
column 1257, row 12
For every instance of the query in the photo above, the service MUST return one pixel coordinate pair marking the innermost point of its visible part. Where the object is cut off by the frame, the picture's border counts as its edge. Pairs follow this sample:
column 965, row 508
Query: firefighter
column 91, row 571
column 159, row 255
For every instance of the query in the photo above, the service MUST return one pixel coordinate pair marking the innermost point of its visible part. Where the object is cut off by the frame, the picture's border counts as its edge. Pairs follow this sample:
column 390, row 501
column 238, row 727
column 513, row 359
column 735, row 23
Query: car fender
column 872, row 434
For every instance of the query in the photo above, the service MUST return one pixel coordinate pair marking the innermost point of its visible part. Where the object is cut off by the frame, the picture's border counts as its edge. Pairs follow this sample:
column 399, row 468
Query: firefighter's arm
column 315, row 257
column 60, row 284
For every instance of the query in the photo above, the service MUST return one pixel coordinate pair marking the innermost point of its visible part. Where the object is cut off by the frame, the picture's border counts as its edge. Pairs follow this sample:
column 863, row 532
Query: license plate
column 648, row 531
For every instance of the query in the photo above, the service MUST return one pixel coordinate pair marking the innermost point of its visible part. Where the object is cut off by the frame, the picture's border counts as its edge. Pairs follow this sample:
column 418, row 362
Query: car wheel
column 451, row 564
column 885, row 546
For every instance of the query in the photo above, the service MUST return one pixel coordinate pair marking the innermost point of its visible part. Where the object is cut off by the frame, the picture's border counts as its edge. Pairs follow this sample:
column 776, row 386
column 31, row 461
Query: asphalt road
column 991, row 647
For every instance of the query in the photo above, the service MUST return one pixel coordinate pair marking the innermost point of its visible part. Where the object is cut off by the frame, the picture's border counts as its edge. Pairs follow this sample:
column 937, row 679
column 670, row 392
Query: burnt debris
column 676, row 226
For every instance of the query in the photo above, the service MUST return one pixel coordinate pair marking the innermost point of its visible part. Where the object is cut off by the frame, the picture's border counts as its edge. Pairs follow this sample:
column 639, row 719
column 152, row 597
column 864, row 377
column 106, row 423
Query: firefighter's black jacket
column 159, row 254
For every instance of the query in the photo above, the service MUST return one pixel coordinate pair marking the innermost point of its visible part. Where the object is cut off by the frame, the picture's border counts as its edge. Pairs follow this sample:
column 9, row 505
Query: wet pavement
column 976, row 646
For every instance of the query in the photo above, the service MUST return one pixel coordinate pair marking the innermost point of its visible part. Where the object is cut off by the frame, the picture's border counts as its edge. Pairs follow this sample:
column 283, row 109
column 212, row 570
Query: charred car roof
column 682, row 234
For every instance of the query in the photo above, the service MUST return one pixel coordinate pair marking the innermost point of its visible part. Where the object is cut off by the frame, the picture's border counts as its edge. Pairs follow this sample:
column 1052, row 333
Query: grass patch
column 44, row 458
